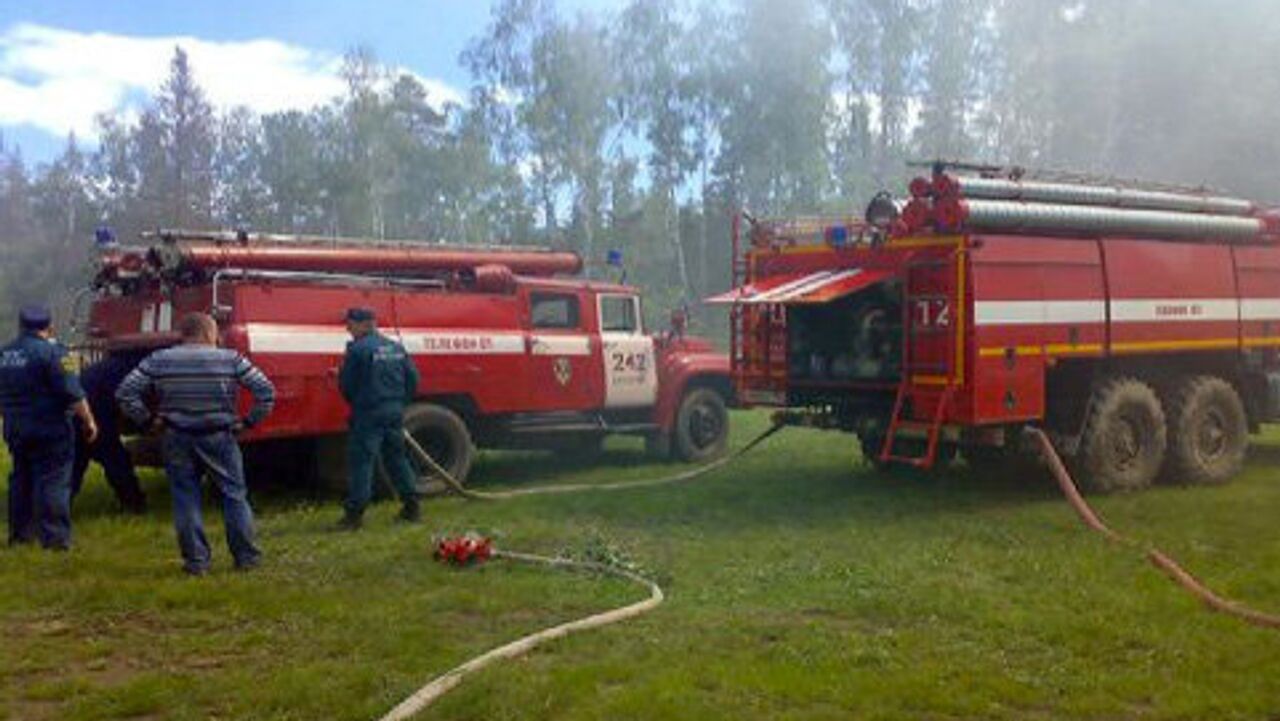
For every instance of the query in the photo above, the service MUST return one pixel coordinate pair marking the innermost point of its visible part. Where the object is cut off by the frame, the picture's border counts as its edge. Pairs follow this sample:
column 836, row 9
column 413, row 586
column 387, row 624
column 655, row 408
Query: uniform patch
column 70, row 364
column 13, row 359
column 563, row 370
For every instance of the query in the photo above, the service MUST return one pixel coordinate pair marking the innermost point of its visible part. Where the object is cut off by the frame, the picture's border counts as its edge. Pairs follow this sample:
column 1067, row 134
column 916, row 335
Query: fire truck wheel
column 1124, row 440
column 445, row 437
column 702, row 426
column 1208, row 431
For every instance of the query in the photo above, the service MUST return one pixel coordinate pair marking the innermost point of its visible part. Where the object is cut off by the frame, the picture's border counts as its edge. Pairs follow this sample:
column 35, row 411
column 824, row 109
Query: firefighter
column 195, row 385
column 378, row 379
column 39, row 392
column 100, row 381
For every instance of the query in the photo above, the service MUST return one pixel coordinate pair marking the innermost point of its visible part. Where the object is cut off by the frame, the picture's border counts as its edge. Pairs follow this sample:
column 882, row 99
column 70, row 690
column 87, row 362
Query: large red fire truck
column 515, row 350
column 1140, row 326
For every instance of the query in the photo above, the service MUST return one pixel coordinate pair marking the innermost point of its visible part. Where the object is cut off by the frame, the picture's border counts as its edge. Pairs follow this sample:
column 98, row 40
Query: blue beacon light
column 104, row 237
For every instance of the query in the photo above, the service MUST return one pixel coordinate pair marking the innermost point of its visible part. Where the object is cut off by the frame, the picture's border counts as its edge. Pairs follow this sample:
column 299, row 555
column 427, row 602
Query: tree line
column 643, row 129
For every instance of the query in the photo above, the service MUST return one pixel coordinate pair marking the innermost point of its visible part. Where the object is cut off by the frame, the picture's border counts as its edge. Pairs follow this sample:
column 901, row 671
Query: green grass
column 801, row 585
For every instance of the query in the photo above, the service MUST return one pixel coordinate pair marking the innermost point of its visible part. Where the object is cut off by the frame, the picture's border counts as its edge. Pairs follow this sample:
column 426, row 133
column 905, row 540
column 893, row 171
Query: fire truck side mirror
column 679, row 322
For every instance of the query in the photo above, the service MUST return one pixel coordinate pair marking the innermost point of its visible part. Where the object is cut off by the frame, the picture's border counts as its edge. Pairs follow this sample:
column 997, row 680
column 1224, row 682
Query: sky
column 62, row 62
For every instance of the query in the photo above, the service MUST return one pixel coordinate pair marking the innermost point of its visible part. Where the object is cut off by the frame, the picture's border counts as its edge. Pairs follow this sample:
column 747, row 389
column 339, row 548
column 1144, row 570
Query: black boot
column 411, row 511
column 350, row 521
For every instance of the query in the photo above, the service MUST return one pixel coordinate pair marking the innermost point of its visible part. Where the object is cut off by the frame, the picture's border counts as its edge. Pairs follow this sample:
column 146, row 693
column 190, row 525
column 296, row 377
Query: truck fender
column 685, row 373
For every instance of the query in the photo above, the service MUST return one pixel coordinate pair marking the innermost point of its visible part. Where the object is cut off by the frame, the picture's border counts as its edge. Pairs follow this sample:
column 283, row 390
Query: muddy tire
column 1208, row 431
column 1125, row 437
column 702, row 426
column 446, row 438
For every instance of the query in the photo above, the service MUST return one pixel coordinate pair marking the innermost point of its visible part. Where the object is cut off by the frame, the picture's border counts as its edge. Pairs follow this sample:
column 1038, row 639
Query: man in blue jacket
column 378, row 379
column 195, row 386
column 100, row 381
column 39, row 392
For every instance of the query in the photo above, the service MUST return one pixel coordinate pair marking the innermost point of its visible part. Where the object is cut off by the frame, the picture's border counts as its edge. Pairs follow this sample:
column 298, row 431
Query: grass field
column 801, row 585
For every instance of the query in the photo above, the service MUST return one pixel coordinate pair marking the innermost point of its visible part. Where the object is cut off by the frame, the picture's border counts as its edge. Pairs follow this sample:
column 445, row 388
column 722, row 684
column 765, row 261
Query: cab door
column 562, row 373
column 630, row 378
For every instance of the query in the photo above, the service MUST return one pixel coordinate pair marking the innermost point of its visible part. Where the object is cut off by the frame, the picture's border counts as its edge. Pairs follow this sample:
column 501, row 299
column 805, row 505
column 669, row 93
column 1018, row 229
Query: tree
column 502, row 63
column 774, row 135
column 180, row 128
column 704, row 50
column 238, row 191
column 288, row 162
column 657, row 99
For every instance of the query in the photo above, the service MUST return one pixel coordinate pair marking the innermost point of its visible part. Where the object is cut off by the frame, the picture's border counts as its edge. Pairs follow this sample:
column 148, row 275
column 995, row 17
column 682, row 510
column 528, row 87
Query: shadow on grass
column 797, row 479
column 1264, row 453
column 770, row 487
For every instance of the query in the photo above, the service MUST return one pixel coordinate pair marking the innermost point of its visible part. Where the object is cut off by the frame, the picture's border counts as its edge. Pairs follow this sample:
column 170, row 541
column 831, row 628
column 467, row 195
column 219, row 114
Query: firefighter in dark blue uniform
column 378, row 379
column 39, row 392
column 100, row 382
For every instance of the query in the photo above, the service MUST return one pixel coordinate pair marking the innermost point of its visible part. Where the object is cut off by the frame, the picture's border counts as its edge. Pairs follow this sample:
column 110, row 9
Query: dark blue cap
column 359, row 315
column 34, row 317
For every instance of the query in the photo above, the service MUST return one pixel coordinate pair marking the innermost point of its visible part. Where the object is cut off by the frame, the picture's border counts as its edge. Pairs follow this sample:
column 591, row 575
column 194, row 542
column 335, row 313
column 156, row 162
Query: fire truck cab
column 512, row 353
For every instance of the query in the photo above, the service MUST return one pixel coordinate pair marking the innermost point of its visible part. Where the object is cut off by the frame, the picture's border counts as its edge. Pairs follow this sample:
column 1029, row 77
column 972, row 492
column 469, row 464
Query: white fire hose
column 442, row 684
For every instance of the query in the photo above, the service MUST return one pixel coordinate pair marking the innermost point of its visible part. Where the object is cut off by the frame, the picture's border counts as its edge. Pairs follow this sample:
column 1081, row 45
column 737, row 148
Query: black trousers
column 109, row 451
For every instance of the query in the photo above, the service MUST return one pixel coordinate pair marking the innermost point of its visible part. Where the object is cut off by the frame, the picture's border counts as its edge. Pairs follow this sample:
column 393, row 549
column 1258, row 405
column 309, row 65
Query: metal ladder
column 932, row 427
column 940, row 374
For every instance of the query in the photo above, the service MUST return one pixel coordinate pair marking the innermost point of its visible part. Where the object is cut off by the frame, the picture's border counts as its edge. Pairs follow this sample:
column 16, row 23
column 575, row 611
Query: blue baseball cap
column 34, row 317
column 360, row 315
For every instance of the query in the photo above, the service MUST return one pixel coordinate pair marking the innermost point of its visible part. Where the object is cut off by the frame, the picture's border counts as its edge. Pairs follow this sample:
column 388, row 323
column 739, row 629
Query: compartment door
column 562, row 370
column 630, row 378
column 933, row 321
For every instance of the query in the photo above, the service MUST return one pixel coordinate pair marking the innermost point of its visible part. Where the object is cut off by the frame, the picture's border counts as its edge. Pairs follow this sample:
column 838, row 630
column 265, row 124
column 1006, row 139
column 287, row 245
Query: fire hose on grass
column 428, row 694
column 457, row 487
column 464, row 551
column 1157, row 558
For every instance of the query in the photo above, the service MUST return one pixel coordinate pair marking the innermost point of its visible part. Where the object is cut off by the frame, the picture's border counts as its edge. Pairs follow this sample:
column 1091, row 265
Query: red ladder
column 932, row 427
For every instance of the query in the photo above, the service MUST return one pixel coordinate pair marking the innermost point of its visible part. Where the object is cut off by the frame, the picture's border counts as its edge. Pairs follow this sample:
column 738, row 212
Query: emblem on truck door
column 563, row 370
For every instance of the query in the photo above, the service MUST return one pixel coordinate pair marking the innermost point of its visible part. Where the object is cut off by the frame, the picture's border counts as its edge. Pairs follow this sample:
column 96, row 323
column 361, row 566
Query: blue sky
column 63, row 60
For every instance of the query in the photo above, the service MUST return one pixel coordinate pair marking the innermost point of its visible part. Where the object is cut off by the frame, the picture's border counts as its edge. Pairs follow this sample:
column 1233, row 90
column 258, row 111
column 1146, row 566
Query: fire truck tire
column 1125, row 437
column 445, row 436
column 702, row 426
column 1208, row 431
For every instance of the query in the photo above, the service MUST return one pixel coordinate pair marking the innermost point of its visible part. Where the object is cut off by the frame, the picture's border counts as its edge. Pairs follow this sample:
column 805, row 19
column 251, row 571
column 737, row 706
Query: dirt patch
column 111, row 670
column 32, row 710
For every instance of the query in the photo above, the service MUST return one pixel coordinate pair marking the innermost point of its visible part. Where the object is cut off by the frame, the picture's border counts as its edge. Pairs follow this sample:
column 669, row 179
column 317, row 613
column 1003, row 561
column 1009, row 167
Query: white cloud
column 59, row 80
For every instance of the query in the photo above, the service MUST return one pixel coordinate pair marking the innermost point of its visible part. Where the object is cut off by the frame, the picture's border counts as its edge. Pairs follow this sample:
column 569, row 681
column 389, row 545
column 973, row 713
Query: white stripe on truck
column 332, row 340
column 1125, row 310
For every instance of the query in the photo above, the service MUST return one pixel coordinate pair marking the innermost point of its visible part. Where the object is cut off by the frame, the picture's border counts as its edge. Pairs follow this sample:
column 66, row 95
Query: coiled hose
column 439, row 686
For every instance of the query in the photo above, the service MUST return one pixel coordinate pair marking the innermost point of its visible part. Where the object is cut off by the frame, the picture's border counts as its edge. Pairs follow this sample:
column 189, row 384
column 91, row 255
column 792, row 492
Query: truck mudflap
column 1273, row 396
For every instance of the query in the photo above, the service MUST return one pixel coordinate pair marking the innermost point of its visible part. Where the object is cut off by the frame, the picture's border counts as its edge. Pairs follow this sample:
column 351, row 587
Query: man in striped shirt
column 194, row 385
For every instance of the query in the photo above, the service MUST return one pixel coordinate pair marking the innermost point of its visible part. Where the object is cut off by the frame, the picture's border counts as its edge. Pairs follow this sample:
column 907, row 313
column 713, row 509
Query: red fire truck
column 514, row 350
column 1139, row 325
